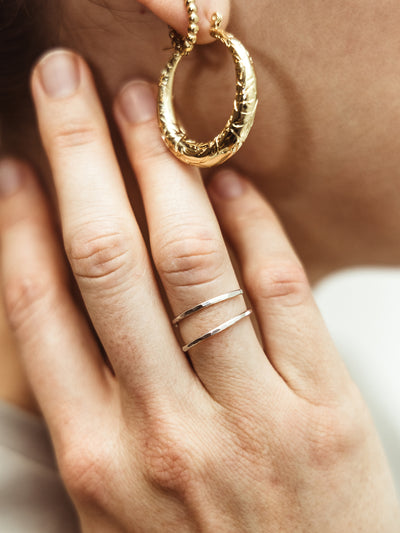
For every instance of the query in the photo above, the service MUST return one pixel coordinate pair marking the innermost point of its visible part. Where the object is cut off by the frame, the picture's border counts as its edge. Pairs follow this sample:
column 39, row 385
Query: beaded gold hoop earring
column 236, row 130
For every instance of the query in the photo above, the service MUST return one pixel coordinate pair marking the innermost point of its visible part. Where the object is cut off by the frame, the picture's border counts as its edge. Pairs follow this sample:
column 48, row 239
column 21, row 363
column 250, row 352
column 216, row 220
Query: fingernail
column 137, row 102
column 11, row 177
column 227, row 184
column 59, row 74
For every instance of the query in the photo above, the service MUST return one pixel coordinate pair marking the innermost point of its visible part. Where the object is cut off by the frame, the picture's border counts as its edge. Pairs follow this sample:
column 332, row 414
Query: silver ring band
column 207, row 303
column 216, row 330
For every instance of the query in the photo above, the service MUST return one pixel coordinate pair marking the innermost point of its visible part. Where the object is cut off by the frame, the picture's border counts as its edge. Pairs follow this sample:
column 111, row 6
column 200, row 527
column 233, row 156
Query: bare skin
column 308, row 150
column 324, row 149
column 271, row 438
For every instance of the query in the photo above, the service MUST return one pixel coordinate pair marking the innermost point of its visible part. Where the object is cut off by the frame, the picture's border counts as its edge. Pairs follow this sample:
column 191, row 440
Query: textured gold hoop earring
column 236, row 130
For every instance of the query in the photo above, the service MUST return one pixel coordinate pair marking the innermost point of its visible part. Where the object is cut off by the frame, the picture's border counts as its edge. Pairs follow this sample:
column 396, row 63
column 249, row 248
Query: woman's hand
column 237, row 437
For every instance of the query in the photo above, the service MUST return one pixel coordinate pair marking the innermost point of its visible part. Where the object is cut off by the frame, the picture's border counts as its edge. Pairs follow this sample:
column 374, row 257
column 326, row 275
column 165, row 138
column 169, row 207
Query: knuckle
column 85, row 472
column 338, row 433
column 100, row 254
column 285, row 281
column 190, row 259
column 27, row 299
column 254, row 216
column 167, row 466
column 74, row 134
column 168, row 459
column 150, row 148
column 151, row 153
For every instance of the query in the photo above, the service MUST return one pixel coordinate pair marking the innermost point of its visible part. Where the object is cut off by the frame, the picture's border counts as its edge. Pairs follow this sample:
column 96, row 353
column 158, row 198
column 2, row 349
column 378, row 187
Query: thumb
column 174, row 13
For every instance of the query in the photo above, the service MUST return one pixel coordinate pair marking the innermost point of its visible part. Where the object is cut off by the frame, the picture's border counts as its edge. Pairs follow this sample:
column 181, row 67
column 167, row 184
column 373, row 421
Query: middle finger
column 188, row 249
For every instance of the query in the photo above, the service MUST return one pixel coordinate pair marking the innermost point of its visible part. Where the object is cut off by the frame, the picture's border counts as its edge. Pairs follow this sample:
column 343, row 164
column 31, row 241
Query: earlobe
column 174, row 13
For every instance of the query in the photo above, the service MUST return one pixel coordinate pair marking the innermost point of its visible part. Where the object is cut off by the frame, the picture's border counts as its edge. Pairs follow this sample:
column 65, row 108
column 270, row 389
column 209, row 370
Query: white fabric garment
column 362, row 310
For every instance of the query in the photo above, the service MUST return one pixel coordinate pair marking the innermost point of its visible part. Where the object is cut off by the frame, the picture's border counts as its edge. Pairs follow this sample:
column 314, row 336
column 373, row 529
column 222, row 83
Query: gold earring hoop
column 236, row 130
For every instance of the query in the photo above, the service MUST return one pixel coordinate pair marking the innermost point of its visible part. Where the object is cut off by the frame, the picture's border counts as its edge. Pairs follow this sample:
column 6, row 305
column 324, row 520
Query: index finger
column 103, row 242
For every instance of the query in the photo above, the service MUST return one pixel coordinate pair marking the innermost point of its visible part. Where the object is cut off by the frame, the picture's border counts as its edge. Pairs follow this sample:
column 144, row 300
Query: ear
column 174, row 13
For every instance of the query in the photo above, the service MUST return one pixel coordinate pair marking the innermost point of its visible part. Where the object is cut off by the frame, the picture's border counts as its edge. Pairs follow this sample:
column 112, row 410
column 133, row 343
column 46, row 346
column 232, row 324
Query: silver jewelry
column 216, row 330
column 207, row 303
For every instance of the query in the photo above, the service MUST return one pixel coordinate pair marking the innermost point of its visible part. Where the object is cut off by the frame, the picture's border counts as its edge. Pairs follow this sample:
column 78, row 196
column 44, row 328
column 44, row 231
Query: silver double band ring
column 207, row 303
column 218, row 329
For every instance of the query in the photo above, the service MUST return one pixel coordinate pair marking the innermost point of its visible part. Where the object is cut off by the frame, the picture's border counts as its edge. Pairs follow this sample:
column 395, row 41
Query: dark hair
column 22, row 40
column 27, row 29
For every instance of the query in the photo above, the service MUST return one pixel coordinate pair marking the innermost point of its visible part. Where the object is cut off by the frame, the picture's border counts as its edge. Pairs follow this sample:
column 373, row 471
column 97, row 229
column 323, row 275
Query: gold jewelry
column 236, row 130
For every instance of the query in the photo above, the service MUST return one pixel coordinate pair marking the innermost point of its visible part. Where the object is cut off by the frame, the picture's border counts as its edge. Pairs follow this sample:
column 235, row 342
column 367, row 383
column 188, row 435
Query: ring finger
column 188, row 249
